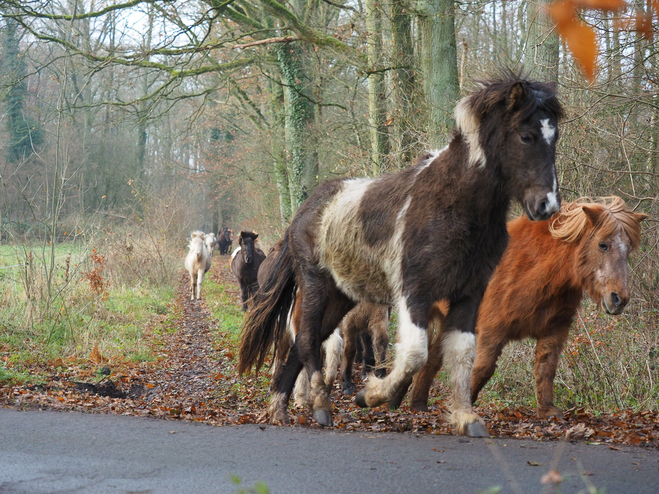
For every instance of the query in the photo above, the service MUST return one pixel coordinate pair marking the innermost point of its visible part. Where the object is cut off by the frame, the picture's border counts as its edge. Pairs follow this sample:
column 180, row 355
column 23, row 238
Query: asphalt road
column 48, row 452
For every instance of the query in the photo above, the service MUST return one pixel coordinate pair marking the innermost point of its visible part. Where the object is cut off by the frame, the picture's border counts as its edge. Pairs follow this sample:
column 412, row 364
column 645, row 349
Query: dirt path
column 194, row 379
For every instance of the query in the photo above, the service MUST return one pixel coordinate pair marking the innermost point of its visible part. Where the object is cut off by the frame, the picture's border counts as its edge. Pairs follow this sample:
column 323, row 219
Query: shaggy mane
column 571, row 221
column 470, row 109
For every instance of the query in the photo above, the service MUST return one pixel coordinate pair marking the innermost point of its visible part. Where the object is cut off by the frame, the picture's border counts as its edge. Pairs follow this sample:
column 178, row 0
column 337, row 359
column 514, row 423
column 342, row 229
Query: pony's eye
column 603, row 247
column 526, row 138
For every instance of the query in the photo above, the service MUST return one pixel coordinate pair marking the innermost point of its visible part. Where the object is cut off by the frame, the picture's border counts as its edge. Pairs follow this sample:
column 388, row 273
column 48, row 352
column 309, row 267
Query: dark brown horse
column 538, row 286
column 224, row 240
column 434, row 231
column 245, row 263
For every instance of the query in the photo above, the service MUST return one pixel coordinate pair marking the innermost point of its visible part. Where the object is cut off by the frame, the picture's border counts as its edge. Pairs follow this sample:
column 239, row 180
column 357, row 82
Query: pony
column 245, row 262
column 364, row 326
column 197, row 263
column 224, row 240
column 537, row 288
column 438, row 235
column 210, row 241
column 332, row 347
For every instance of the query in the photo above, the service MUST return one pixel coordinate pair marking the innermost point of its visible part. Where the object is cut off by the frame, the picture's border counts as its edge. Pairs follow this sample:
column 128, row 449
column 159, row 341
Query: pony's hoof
column 349, row 389
column 549, row 413
column 323, row 417
column 419, row 406
column 360, row 399
column 476, row 429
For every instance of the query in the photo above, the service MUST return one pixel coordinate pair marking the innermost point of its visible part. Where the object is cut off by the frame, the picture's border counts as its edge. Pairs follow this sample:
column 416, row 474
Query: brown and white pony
column 364, row 326
column 538, row 286
column 245, row 263
column 433, row 231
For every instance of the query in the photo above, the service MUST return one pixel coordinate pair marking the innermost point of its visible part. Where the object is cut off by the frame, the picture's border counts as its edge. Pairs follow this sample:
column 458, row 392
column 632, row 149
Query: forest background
column 125, row 125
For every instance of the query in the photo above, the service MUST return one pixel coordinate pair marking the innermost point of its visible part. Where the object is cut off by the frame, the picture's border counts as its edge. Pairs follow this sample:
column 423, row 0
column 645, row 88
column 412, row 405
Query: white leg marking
column 548, row 131
column 411, row 354
column 301, row 391
column 333, row 351
column 459, row 354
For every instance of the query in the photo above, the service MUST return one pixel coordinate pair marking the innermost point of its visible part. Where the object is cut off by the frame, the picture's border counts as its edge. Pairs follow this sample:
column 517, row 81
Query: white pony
column 210, row 241
column 198, row 262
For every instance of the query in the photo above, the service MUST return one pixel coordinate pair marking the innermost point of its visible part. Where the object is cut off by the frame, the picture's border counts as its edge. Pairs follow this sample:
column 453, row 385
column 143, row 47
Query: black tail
column 267, row 321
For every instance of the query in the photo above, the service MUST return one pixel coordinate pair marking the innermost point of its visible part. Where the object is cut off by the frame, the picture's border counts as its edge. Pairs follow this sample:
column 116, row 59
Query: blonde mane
column 571, row 221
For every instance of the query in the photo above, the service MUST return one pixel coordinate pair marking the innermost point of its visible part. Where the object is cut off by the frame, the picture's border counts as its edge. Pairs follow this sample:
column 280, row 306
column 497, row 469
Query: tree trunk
column 377, row 112
column 542, row 49
column 302, row 165
column 439, row 64
column 403, row 77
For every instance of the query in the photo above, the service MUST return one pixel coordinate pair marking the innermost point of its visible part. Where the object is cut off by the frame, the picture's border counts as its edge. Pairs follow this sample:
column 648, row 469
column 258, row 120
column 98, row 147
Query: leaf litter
column 194, row 379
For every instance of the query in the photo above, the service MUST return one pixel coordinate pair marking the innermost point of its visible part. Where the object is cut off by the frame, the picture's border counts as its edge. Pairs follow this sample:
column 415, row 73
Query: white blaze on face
column 548, row 131
column 552, row 198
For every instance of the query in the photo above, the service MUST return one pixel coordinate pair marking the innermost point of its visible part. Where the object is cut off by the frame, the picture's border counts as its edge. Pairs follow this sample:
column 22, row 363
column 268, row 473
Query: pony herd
column 438, row 251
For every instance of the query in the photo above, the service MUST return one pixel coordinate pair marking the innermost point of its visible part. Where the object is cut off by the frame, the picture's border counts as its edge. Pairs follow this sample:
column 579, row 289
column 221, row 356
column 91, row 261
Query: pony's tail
column 267, row 320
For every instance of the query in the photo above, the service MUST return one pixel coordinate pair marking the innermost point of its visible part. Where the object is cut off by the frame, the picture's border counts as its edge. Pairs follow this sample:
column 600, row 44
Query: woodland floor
column 194, row 379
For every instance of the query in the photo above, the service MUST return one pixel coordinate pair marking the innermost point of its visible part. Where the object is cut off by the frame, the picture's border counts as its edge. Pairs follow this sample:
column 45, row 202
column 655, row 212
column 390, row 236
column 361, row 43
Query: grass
column 41, row 321
column 227, row 316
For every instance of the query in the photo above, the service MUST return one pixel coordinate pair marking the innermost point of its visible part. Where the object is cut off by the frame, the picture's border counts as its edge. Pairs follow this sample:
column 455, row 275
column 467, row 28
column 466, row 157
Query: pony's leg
column 324, row 307
column 489, row 345
column 411, row 354
column 244, row 295
column 301, row 390
column 349, row 351
column 368, row 364
column 547, row 353
column 333, row 352
column 200, row 280
column 459, row 352
column 380, row 344
column 192, row 286
column 423, row 380
column 282, row 386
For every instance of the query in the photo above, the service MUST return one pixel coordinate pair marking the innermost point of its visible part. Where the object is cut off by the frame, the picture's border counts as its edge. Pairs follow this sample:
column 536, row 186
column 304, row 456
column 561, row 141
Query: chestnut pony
column 538, row 286
column 433, row 231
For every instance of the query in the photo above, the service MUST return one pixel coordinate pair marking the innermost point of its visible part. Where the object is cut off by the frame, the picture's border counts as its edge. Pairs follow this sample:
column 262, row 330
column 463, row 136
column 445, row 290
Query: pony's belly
column 359, row 275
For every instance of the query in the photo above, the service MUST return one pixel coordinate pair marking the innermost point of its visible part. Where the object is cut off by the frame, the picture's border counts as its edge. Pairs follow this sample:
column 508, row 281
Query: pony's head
column 246, row 241
column 607, row 232
column 511, row 125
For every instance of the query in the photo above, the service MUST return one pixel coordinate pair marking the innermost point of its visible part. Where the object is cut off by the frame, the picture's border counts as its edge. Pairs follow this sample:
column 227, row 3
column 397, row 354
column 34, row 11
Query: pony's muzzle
column 540, row 206
column 614, row 303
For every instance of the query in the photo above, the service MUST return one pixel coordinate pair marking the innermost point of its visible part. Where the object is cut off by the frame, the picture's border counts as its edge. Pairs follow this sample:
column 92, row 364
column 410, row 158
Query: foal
column 439, row 234
column 538, row 286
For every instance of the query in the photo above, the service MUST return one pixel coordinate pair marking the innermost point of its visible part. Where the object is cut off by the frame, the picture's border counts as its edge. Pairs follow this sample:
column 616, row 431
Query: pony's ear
column 640, row 217
column 516, row 94
column 256, row 236
column 593, row 214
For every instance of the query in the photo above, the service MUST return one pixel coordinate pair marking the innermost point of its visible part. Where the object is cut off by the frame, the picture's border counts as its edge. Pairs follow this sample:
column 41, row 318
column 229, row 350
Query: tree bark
column 542, row 49
column 403, row 77
column 377, row 112
column 439, row 64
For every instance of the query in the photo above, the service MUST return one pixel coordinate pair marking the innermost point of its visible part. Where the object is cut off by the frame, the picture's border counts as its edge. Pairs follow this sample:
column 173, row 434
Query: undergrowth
column 63, row 305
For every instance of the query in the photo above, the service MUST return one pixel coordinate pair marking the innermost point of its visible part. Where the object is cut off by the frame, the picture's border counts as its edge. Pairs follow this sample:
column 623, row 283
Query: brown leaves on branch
column 581, row 39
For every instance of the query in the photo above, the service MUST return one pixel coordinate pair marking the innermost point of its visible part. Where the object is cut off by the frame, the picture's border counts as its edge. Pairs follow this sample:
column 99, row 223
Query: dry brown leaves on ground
column 194, row 379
